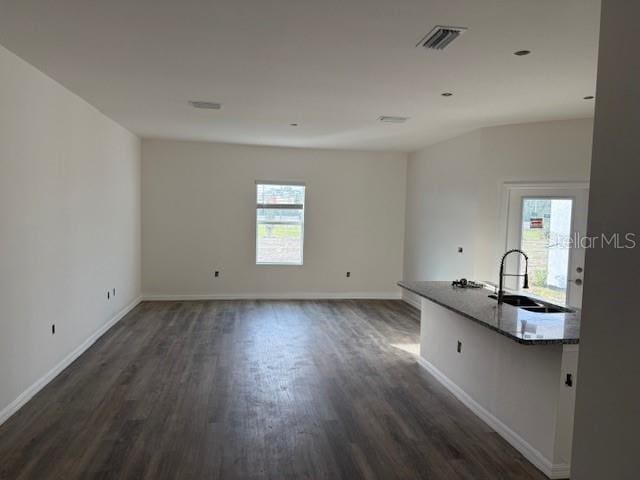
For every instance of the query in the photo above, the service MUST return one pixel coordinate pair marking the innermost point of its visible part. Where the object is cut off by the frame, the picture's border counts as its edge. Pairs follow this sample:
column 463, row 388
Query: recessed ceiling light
column 390, row 119
column 589, row 97
column 205, row 105
column 522, row 53
column 293, row 124
column 446, row 94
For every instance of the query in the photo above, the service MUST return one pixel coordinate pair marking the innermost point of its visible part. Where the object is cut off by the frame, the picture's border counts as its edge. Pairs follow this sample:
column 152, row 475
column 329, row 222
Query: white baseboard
column 34, row 388
column 554, row 471
column 275, row 296
column 412, row 300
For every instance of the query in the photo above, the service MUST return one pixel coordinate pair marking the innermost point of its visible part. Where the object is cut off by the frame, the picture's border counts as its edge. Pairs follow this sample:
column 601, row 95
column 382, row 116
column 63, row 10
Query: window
column 279, row 223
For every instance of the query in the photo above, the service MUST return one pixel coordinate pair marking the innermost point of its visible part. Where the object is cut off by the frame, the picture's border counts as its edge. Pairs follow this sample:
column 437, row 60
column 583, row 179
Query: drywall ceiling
column 332, row 66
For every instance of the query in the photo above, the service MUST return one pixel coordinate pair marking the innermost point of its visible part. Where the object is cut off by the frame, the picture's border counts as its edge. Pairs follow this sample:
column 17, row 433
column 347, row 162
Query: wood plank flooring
column 254, row 390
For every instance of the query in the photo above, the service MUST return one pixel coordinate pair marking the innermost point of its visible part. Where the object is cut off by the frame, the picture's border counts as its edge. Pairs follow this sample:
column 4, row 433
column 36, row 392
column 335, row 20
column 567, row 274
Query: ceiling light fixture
column 522, row 53
column 390, row 119
column 446, row 94
column 205, row 105
column 589, row 97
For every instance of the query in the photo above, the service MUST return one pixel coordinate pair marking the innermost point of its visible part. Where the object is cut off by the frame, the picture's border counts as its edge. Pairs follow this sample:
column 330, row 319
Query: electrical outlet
column 216, row 273
column 53, row 329
column 348, row 274
column 459, row 349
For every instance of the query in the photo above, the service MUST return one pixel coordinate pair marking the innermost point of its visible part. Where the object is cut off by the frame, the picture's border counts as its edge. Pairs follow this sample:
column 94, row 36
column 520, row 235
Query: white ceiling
column 333, row 66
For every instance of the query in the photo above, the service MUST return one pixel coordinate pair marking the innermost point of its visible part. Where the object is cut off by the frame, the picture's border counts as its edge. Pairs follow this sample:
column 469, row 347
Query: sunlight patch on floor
column 412, row 348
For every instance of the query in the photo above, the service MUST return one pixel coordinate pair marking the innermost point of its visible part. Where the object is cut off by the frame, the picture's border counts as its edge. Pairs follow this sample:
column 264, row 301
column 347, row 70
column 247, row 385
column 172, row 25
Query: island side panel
column 566, row 406
column 518, row 384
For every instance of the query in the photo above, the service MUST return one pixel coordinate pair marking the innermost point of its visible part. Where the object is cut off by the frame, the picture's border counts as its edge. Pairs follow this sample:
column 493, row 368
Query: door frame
column 506, row 207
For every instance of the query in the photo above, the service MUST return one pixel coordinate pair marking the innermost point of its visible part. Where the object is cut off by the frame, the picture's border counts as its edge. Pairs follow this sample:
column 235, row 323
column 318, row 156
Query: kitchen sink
column 531, row 305
column 548, row 309
column 518, row 300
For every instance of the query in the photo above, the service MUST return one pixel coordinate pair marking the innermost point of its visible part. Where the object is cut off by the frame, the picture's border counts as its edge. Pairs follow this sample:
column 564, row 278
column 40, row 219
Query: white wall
column 69, row 225
column 454, row 192
column 607, row 418
column 199, row 216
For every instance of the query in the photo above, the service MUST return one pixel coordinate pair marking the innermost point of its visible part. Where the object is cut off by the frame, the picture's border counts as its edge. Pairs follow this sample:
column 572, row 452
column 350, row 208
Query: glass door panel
column 545, row 236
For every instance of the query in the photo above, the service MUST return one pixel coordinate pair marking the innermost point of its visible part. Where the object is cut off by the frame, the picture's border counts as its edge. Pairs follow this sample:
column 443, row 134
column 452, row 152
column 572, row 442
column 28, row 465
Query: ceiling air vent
column 440, row 37
column 206, row 105
column 389, row 119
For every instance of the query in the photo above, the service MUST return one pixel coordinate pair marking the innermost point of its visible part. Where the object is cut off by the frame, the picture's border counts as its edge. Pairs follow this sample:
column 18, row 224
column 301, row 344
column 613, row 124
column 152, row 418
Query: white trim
column 274, row 296
column 571, row 347
column 294, row 183
column 545, row 185
column 39, row 384
column 553, row 471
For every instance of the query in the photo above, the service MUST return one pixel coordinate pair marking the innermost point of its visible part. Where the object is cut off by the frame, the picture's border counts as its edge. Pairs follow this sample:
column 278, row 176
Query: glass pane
column 279, row 236
column 546, row 233
column 279, row 231
column 280, row 194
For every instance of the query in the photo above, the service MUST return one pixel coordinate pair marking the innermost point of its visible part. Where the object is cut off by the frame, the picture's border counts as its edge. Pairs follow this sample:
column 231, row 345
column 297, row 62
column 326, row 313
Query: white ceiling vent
column 206, row 105
column 389, row 119
column 440, row 37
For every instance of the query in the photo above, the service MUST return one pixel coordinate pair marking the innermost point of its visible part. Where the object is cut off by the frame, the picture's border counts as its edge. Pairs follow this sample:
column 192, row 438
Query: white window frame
column 277, row 206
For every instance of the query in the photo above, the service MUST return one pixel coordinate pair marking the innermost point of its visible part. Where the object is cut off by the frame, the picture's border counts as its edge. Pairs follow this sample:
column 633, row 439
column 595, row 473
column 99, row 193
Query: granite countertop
column 523, row 326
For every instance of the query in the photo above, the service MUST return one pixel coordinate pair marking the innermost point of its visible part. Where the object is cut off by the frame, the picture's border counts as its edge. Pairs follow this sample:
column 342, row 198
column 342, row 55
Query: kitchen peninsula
column 515, row 368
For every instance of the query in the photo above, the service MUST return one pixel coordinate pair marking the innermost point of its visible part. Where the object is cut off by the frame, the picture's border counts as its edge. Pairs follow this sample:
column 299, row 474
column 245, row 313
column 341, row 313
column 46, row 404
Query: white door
column 547, row 222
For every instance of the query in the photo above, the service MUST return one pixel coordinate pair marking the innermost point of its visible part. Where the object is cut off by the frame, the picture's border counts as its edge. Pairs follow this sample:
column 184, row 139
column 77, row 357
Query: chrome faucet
column 502, row 274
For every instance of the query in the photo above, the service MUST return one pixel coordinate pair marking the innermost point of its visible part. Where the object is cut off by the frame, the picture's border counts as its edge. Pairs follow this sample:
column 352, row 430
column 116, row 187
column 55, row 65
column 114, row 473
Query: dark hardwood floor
column 254, row 390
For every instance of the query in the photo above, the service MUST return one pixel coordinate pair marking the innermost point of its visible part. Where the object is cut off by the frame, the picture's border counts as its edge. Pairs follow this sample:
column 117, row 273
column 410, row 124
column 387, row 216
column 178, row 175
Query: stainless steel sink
column 531, row 305
column 548, row 309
